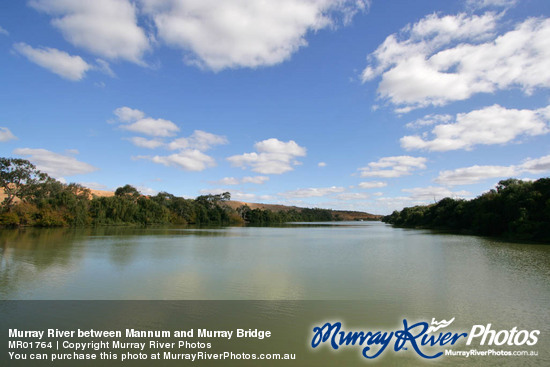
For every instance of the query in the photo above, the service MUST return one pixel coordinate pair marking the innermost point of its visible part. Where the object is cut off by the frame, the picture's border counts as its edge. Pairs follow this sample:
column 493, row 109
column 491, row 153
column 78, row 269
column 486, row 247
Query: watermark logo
column 426, row 340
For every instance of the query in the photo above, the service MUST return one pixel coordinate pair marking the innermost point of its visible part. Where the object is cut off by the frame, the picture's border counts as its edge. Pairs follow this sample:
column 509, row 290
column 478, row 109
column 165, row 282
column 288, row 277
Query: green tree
column 19, row 178
column 127, row 190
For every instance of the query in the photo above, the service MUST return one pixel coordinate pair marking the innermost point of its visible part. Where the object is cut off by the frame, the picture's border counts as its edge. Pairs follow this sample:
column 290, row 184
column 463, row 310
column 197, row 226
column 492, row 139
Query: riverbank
column 518, row 210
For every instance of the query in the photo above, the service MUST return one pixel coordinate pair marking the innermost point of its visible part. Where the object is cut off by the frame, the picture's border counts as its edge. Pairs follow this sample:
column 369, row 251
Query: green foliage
column 127, row 190
column 46, row 202
column 516, row 209
column 9, row 219
column 20, row 179
column 266, row 217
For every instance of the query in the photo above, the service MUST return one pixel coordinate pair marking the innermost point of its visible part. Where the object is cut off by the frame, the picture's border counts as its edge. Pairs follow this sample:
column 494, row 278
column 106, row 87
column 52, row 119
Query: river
column 394, row 272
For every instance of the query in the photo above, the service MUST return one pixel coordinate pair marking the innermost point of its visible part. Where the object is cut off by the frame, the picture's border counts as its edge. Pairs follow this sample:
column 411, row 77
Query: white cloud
column 144, row 190
column 372, row 184
column 127, row 114
column 95, row 186
column 4, row 32
column 104, row 67
column 243, row 196
column 153, row 127
column 389, row 204
column 393, row 166
column 146, row 143
column 6, row 135
column 58, row 62
column 475, row 174
column 54, row 164
column 435, row 193
column 490, row 125
column 244, row 33
column 135, row 120
column 321, row 164
column 200, row 140
column 480, row 4
column 273, row 157
column 535, row 166
column 228, row 181
column 239, row 195
column 259, row 180
column 312, row 192
column 447, row 58
column 190, row 156
column 348, row 196
column 429, row 120
column 189, row 160
column 107, row 28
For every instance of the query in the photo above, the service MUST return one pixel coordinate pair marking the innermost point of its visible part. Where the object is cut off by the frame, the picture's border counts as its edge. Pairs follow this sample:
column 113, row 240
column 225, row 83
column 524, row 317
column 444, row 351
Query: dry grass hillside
column 98, row 193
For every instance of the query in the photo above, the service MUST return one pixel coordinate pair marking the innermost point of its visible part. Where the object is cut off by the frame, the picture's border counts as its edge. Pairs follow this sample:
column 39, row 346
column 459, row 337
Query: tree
column 127, row 190
column 19, row 178
column 211, row 200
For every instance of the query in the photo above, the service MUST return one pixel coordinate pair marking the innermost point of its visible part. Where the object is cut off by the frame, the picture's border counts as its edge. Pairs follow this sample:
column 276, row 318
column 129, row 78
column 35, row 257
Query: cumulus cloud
column 127, row 114
column 58, row 62
column 475, row 174
column 312, row 192
column 490, row 125
column 96, row 186
column 372, row 184
column 190, row 155
column 244, row 33
column 255, row 179
column 428, row 120
column 480, row 4
column 273, row 157
column 152, row 127
column 435, row 193
column 228, row 181
column 189, row 160
column 200, row 140
column 54, row 164
column 239, row 195
column 136, row 121
column 352, row 196
column 258, row 180
column 321, row 164
column 389, row 167
column 6, row 135
column 144, row 190
column 146, row 143
column 448, row 58
column 107, row 28
column 4, row 32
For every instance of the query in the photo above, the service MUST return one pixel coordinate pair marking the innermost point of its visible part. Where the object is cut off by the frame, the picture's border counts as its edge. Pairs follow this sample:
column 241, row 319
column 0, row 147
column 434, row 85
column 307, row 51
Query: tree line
column 32, row 198
column 514, row 209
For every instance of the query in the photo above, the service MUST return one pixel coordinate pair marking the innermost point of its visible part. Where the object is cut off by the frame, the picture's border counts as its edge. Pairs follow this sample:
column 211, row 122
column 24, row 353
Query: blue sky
column 366, row 105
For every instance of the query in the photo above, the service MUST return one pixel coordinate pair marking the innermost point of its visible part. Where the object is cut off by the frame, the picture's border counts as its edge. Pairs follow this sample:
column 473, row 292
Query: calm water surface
column 396, row 272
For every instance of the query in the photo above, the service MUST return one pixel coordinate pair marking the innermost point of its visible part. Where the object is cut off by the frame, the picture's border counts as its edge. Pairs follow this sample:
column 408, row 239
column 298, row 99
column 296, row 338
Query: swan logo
column 439, row 325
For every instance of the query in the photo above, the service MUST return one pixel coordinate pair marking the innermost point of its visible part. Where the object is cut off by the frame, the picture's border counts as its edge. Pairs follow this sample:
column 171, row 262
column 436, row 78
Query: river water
column 393, row 273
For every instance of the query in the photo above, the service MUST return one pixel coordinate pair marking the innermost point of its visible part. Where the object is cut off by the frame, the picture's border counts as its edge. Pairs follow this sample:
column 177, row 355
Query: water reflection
column 398, row 272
